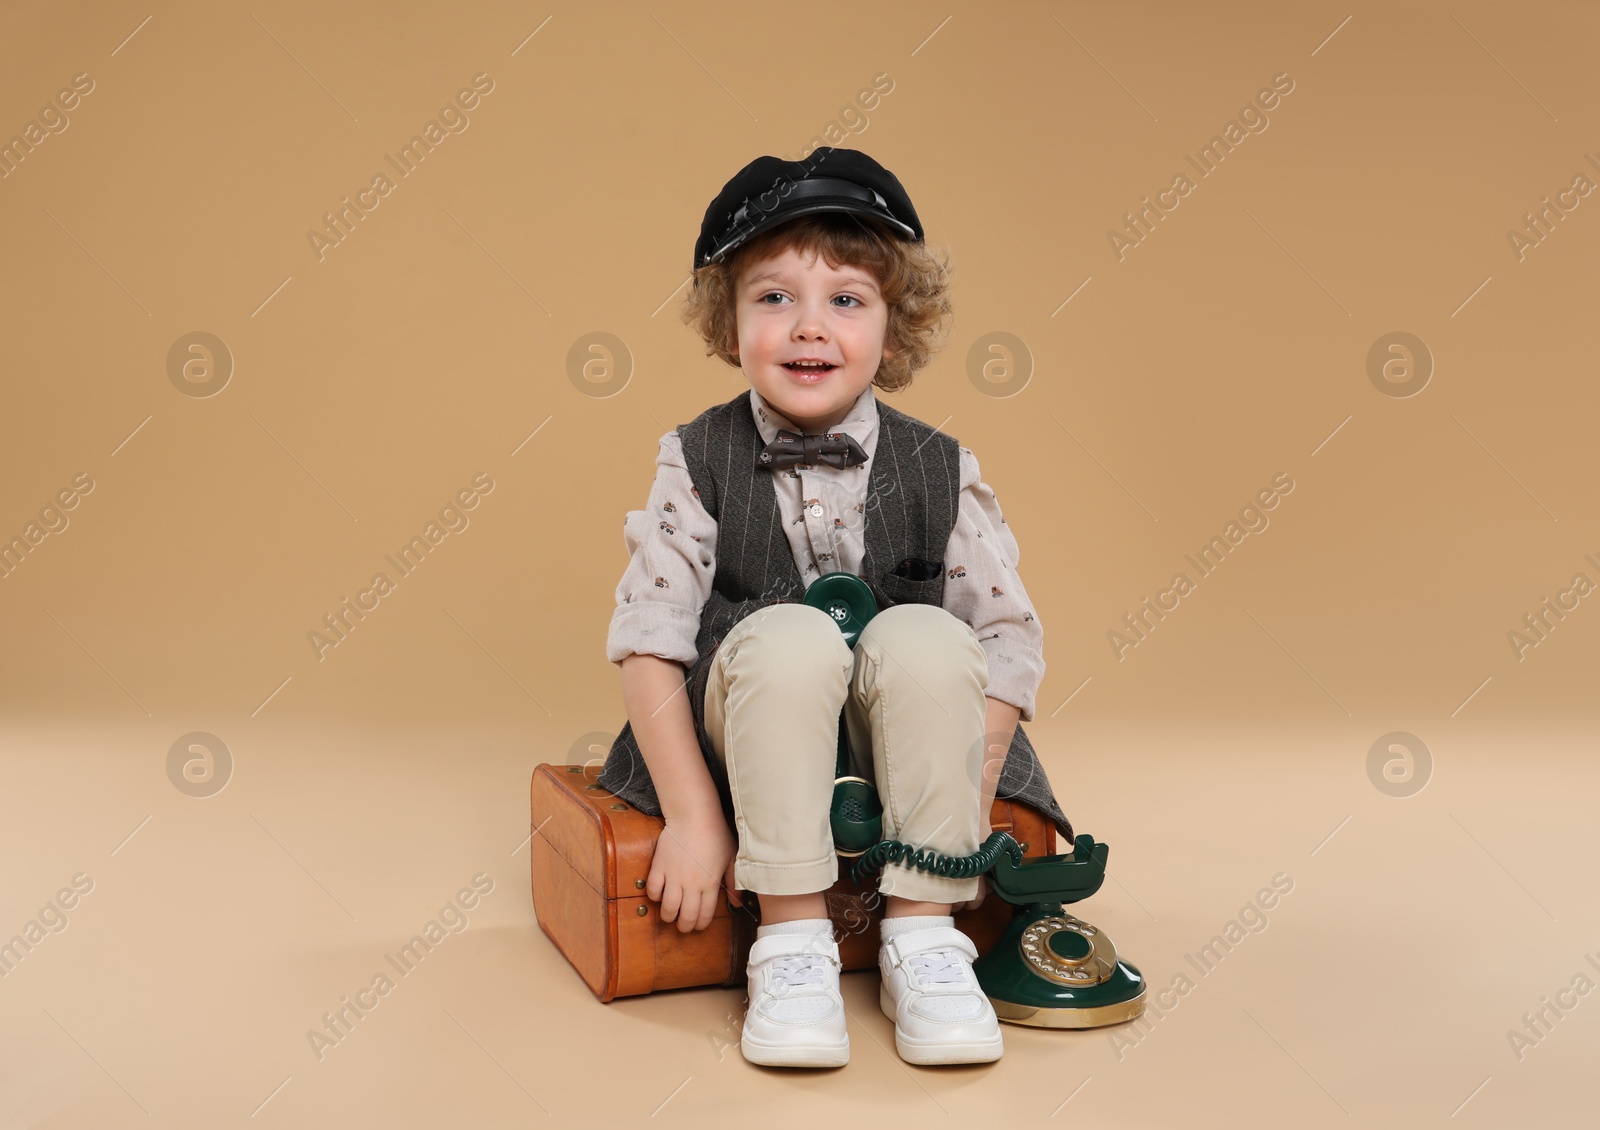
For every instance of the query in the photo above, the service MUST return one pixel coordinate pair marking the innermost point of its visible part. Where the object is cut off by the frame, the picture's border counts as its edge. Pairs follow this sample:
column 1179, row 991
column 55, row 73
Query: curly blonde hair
column 914, row 282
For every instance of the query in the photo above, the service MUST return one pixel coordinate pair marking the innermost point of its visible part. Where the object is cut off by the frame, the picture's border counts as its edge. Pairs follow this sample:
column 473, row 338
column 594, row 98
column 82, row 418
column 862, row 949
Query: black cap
column 770, row 190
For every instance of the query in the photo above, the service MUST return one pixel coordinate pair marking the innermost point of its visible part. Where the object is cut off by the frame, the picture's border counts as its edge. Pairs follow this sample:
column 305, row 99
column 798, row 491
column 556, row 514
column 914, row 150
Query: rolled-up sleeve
column 672, row 557
column 983, row 588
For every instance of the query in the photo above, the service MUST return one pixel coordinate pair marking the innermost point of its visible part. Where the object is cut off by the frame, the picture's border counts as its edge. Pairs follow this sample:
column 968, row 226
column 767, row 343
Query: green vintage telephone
column 1049, row 969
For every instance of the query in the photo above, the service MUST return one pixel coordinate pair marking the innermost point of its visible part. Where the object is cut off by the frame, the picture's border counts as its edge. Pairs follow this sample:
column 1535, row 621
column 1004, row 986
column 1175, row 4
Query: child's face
column 792, row 307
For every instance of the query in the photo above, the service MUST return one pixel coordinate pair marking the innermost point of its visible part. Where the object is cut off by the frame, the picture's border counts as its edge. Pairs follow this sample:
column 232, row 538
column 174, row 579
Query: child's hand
column 693, row 858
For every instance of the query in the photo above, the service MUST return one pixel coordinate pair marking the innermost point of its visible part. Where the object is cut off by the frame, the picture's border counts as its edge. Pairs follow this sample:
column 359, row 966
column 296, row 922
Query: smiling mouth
column 809, row 370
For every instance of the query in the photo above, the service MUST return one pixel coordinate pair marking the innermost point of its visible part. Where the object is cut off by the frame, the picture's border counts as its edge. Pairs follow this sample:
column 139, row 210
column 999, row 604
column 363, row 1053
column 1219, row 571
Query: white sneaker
column 929, row 990
column 796, row 1016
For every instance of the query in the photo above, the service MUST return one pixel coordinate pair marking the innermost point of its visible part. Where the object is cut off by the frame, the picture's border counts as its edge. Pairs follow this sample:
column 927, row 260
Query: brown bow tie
column 836, row 449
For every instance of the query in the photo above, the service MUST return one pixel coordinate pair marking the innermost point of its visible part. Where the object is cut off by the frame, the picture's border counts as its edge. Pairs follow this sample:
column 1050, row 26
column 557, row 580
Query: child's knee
column 792, row 637
column 918, row 625
column 935, row 647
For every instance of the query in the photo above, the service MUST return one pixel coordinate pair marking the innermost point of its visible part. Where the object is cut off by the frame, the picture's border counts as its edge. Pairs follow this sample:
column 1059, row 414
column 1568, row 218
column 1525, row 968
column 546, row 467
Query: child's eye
column 777, row 294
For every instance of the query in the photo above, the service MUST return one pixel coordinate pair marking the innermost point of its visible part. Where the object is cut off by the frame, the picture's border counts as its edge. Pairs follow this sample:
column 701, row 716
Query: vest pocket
column 916, row 569
column 914, row 581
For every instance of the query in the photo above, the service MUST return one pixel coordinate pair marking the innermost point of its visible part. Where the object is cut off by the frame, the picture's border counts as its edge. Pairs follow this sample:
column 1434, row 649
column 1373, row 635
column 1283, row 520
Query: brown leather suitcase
column 591, row 856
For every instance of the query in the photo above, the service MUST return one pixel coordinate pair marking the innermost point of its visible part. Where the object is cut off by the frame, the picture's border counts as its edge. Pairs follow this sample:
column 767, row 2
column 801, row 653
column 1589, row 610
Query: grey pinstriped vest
column 913, row 489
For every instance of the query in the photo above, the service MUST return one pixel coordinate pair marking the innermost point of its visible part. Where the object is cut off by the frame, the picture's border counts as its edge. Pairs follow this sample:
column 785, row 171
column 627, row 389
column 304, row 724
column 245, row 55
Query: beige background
column 370, row 386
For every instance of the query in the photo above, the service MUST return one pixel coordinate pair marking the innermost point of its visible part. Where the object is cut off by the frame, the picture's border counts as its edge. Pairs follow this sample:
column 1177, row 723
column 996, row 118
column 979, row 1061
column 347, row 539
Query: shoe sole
column 929, row 1052
column 795, row 1055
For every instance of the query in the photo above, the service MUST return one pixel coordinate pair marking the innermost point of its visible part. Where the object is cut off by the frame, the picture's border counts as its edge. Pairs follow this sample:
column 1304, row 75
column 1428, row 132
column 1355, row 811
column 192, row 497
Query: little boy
column 812, row 278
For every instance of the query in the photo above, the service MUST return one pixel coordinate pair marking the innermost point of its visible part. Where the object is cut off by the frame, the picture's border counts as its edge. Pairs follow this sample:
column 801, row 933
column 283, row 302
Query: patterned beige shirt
column 672, row 549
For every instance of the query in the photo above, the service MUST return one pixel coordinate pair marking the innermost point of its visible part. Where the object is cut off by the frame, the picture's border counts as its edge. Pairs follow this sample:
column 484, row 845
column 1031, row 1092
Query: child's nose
column 810, row 320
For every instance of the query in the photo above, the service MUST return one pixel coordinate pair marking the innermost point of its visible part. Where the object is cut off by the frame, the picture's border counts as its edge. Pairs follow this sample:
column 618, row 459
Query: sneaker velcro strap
column 919, row 941
column 789, row 945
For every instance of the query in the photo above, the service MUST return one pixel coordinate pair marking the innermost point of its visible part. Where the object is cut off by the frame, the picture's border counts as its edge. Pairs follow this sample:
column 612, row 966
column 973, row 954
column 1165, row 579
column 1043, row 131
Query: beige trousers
column 913, row 694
